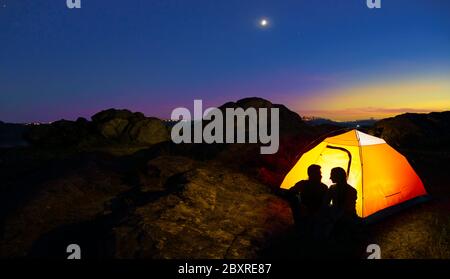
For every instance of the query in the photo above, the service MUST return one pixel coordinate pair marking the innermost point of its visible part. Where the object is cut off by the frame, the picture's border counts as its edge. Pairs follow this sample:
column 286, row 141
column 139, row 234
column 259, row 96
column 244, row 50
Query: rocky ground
column 119, row 188
column 174, row 207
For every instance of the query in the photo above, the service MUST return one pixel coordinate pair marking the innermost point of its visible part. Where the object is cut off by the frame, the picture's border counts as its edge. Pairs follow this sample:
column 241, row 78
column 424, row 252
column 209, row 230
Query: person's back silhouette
column 345, row 222
column 341, row 195
column 312, row 196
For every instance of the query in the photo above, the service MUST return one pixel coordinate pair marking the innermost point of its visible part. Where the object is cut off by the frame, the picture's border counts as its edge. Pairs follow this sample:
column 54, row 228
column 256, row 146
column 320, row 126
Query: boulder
column 111, row 123
column 148, row 131
column 154, row 176
column 295, row 134
column 71, row 193
column 106, row 115
column 113, row 128
column 415, row 130
column 290, row 122
column 207, row 212
column 126, row 127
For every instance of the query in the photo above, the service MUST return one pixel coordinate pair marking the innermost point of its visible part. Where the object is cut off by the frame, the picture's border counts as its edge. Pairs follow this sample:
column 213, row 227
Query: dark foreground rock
column 78, row 193
column 173, row 207
column 210, row 212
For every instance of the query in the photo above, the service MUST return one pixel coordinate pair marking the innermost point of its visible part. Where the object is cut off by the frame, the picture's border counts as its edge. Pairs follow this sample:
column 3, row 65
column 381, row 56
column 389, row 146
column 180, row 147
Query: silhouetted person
column 344, row 220
column 310, row 198
column 342, row 197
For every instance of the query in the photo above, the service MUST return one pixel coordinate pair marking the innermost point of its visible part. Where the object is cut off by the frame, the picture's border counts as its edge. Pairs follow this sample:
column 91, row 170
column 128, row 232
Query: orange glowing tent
column 382, row 177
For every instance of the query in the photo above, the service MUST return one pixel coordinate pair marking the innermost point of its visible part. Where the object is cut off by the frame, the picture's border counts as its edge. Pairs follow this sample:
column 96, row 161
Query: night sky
column 330, row 58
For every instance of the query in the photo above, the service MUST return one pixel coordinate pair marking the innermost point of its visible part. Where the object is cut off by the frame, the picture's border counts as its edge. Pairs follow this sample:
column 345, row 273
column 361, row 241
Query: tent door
column 332, row 157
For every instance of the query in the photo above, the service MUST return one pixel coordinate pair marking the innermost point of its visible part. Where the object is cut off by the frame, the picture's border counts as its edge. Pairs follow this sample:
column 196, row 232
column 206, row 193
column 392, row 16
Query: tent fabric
column 382, row 176
column 365, row 139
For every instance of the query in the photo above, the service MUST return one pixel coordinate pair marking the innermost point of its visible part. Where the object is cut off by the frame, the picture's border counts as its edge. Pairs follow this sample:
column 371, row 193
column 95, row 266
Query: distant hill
column 345, row 124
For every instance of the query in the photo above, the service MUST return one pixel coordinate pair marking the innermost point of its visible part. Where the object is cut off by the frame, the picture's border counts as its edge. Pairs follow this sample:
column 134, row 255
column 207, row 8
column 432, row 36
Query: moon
column 264, row 22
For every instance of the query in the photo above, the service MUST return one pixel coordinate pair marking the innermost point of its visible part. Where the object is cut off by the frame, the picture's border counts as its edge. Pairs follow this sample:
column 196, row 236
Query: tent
column 382, row 177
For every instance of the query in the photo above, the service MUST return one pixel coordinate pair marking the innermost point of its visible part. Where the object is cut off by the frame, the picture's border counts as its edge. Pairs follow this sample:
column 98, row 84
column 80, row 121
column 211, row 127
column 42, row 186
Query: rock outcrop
column 295, row 134
column 132, row 128
column 148, row 131
column 205, row 211
column 415, row 130
column 290, row 122
column 176, row 208
column 77, row 193
column 111, row 126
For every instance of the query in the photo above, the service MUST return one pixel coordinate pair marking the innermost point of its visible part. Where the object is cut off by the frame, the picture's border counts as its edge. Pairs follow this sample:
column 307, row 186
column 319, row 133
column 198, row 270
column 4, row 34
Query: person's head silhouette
column 338, row 175
column 314, row 173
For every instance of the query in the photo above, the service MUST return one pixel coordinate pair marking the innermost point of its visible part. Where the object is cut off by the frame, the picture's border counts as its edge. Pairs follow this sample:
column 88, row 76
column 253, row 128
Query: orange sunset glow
column 378, row 100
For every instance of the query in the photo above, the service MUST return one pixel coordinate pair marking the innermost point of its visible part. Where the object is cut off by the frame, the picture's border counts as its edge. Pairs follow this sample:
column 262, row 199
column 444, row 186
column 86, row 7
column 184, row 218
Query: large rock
column 113, row 128
column 77, row 194
column 111, row 123
column 295, row 134
column 108, row 127
column 130, row 128
column 415, row 130
column 109, row 114
column 290, row 122
column 207, row 212
column 148, row 131
column 154, row 176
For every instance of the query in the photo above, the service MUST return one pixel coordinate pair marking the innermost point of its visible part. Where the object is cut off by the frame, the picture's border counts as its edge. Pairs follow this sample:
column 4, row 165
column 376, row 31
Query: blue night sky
column 318, row 57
